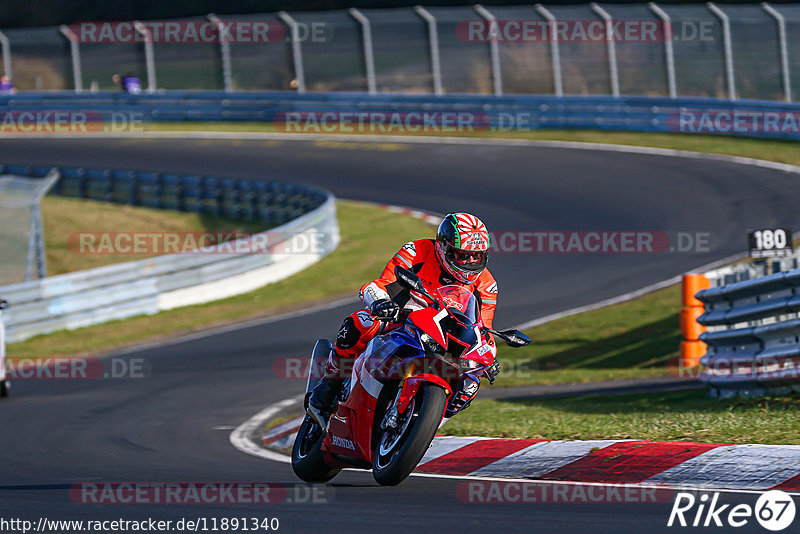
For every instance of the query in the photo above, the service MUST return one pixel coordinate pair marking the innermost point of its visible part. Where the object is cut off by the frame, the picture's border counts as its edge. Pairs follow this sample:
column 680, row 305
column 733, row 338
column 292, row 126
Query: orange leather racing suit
column 419, row 256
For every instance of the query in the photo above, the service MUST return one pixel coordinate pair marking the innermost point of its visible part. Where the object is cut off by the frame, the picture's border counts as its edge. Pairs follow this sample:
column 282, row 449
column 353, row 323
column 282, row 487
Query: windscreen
column 460, row 300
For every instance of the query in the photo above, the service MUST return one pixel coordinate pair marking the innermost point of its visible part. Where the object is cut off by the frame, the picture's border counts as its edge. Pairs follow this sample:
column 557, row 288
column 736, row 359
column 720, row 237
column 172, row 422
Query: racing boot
column 322, row 401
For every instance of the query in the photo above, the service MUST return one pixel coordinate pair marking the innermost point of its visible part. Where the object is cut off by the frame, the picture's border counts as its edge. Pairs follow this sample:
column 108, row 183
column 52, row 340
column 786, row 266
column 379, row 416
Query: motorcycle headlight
column 431, row 344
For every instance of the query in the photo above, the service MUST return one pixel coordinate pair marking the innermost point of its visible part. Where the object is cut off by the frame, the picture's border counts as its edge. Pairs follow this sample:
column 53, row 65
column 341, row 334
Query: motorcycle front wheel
column 307, row 461
column 400, row 449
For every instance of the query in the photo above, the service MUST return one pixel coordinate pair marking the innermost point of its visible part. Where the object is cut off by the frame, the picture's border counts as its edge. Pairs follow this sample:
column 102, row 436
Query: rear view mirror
column 515, row 338
column 3, row 304
column 409, row 280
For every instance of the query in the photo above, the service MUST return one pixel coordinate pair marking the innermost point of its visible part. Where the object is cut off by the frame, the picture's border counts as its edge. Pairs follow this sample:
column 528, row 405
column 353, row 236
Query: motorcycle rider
column 457, row 256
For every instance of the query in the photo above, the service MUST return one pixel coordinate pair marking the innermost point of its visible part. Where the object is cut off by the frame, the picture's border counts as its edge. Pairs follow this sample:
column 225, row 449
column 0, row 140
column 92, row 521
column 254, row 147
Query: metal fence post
column 297, row 51
column 726, row 37
column 433, row 40
column 611, row 47
column 555, row 54
column 36, row 250
column 225, row 53
column 76, row 56
column 494, row 50
column 149, row 57
column 668, row 52
column 787, row 83
column 369, row 59
column 37, row 240
column 6, row 44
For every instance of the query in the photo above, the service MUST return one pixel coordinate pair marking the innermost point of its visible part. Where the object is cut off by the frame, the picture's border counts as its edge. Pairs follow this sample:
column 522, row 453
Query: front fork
column 390, row 420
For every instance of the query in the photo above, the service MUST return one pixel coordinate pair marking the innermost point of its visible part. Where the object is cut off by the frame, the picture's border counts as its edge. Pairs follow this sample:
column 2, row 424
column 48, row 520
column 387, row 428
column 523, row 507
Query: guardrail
column 151, row 285
column 750, row 118
column 753, row 335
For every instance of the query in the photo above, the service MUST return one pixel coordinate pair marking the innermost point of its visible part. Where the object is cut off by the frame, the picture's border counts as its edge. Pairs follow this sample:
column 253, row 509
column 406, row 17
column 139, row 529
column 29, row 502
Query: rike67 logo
column 774, row 510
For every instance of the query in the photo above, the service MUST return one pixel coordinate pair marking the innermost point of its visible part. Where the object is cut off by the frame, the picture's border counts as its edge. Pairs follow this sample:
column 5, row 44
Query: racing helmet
column 462, row 246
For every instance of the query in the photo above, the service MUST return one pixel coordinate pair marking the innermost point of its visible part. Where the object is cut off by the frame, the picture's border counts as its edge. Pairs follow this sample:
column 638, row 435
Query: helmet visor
column 473, row 261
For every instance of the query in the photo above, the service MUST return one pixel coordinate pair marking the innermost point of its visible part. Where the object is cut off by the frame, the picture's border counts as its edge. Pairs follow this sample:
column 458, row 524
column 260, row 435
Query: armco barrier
column 754, row 335
column 151, row 285
column 515, row 112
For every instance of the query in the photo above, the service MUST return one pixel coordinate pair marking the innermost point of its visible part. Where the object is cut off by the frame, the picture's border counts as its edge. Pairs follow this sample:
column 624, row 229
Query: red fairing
column 483, row 354
column 412, row 384
column 427, row 321
column 346, row 436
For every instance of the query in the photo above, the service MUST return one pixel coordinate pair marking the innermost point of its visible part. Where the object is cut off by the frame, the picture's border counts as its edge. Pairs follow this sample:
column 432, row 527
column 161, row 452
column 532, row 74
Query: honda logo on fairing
column 341, row 442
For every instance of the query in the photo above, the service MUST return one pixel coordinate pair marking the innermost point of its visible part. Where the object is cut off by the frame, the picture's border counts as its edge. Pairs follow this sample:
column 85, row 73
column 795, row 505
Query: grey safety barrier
column 151, row 285
column 413, row 113
column 753, row 337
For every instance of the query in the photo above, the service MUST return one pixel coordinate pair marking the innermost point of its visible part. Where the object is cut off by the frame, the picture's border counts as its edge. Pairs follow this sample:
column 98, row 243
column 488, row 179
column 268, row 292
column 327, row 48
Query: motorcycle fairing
column 370, row 371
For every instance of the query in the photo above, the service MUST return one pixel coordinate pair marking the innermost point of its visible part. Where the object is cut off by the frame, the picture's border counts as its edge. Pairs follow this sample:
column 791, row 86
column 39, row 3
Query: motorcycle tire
column 392, row 467
column 307, row 461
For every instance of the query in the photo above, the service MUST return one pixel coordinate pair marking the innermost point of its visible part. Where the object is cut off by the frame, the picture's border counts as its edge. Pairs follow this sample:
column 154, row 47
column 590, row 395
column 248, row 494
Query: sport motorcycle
column 406, row 384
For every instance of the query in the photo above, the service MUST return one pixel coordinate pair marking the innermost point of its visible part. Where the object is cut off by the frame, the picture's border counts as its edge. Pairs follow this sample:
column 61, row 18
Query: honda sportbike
column 408, row 382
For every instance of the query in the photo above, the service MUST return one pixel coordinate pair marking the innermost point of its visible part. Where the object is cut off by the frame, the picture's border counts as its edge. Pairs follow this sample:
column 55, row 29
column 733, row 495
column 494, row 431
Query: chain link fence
column 697, row 50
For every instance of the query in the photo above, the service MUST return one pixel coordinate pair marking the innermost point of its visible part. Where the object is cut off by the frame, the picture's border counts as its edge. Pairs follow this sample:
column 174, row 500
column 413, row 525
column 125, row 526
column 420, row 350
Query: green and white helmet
column 462, row 246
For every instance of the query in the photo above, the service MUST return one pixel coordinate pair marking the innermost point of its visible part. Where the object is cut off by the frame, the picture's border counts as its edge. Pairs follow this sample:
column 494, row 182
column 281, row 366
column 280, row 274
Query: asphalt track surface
column 173, row 425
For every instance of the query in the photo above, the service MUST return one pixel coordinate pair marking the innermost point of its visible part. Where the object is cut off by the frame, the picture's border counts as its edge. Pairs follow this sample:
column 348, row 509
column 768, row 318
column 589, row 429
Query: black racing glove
column 385, row 309
column 493, row 371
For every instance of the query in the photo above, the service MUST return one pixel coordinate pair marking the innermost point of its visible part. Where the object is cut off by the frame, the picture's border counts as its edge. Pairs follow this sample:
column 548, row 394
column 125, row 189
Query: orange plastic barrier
column 692, row 283
column 692, row 349
column 690, row 328
column 691, row 352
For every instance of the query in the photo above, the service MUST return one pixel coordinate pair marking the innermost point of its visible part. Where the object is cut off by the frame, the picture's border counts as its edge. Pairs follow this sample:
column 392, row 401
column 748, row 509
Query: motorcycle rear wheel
column 307, row 461
column 393, row 466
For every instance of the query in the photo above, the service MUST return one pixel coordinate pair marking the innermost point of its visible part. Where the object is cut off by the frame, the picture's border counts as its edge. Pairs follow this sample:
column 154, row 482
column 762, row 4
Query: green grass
column 682, row 416
column 637, row 338
column 370, row 236
column 63, row 218
column 769, row 149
